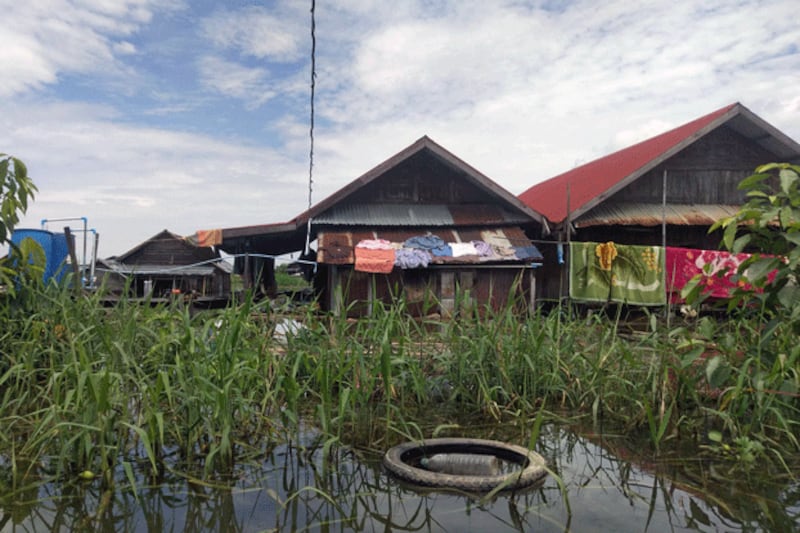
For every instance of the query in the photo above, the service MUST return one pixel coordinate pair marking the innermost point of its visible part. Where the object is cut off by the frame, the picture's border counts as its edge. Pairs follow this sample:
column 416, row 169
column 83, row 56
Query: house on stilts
column 665, row 191
column 423, row 225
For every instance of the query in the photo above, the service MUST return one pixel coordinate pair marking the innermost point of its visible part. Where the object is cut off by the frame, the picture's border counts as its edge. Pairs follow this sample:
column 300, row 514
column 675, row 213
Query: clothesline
column 648, row 275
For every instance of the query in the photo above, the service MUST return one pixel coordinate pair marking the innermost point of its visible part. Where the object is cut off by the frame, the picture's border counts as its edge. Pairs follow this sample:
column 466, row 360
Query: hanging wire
column 311, row 128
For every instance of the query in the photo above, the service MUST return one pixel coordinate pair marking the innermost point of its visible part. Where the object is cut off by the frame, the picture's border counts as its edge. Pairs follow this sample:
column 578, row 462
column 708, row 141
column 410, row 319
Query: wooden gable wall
column 421, row 179
column 706, row 172
column 167, row 250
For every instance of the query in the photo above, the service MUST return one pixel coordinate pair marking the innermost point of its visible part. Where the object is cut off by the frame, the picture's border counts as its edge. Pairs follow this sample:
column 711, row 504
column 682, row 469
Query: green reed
column 89, row 390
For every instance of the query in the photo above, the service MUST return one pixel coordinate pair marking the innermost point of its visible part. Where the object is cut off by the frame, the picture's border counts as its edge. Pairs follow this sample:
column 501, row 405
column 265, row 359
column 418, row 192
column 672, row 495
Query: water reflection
column 297, row 488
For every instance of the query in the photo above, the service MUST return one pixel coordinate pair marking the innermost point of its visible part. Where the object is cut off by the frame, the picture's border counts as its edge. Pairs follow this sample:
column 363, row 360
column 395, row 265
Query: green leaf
column 756, row 193
column 759, row 269
column 794, row 237
column 741, row 243
column 717, row 373
column 691, row 356
column 789, row 296
column 752, row 181
column 20, row 170
column 722, row 223
column 785, row 217
column 729, row 236
column 788, row 179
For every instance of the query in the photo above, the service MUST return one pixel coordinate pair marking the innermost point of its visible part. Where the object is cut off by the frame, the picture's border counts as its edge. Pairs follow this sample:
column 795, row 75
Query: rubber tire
column 396, row 462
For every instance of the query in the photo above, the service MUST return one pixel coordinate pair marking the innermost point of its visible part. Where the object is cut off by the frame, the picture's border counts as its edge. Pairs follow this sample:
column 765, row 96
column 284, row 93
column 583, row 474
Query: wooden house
column 667, row 190
column 168, row 266
column 425, row 193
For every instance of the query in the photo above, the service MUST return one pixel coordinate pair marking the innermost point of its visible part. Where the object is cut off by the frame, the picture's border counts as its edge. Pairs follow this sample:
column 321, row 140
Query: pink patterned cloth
column 716, row 269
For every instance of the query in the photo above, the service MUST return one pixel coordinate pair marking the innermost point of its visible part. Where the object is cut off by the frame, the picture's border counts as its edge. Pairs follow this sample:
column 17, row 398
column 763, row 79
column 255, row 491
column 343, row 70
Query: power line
column 311, row 128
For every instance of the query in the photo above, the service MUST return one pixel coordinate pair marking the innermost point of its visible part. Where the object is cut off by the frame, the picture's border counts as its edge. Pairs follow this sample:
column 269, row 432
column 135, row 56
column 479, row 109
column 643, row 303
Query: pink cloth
column 716, row 269
column 378, row 261
column 375, row 244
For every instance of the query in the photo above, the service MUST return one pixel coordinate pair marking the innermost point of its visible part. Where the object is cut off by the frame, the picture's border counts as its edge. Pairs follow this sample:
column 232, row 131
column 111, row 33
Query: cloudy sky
column 143, row 115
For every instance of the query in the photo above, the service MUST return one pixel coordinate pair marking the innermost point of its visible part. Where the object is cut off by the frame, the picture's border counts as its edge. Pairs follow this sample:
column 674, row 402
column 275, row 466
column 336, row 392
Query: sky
column 144, row 115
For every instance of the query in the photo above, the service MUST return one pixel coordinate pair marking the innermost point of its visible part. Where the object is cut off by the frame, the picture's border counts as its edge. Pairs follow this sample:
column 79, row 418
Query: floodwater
column 296, row 489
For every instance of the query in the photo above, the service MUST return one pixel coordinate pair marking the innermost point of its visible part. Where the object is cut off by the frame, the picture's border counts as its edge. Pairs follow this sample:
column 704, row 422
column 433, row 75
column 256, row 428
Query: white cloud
column 254, row 31
column 521, row 91
column 231, row 79
column 45, row 39
column 533, row 91
column 124, row 48
column 131, row 181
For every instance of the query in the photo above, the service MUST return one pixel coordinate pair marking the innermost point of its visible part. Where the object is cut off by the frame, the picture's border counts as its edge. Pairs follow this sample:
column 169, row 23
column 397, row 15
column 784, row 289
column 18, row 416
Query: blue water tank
column 54, row 246
column 58, row 258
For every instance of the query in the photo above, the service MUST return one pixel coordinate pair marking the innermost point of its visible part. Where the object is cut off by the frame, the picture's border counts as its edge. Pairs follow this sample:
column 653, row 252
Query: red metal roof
column 588, row 182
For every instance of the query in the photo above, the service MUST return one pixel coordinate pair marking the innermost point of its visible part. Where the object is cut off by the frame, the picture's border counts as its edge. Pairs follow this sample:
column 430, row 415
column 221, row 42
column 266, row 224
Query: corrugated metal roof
column 591, row 183
column 641, row 214
column 417, row 215
column 283, row 237
column 386, row 215
column 147, row 270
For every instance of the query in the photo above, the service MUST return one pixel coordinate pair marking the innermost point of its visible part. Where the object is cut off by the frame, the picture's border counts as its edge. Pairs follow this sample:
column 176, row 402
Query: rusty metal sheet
column 643, row 214
column 483, row 215
column 335, row 248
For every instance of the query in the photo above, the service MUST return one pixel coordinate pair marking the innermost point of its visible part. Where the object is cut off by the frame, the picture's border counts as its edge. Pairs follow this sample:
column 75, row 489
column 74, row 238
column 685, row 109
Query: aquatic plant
column 108, row 394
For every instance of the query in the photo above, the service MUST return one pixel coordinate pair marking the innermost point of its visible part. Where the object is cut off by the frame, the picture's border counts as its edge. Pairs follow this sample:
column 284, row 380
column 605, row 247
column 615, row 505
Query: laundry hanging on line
column 605, row 272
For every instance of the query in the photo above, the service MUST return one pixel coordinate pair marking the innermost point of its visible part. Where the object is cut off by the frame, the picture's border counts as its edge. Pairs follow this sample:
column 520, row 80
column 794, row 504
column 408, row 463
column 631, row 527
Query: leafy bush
column 16, row 189
column 769, row 222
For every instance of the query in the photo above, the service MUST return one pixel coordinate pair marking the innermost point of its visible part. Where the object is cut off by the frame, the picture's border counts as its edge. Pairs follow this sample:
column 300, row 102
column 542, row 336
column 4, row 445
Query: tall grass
column 101, row 392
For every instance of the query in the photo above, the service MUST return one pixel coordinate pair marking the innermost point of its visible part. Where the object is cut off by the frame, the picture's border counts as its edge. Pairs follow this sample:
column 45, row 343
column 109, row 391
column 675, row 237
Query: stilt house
column 168, row 266
column 363, row 234
column 667, row 190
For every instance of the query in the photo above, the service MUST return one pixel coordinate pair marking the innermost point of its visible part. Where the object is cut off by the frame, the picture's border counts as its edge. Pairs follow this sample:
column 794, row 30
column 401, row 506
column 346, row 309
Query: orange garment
column 375, row 261
column 206, row 237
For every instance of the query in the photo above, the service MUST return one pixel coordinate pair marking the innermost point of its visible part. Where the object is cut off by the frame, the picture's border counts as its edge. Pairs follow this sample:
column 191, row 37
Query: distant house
column 167, row 266
column 423, row 193
column 665, row 190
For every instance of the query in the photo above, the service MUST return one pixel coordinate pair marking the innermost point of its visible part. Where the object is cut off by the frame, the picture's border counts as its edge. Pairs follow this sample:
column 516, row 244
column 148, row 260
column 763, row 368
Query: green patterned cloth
column 603, row 272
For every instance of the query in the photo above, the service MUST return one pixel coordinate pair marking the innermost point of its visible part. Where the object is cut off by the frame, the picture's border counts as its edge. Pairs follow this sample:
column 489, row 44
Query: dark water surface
column 294, row 489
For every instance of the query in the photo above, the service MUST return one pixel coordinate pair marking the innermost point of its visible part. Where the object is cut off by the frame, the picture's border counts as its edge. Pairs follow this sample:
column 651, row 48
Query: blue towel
column 528, row 252
column 442, row 251
column 424, row 242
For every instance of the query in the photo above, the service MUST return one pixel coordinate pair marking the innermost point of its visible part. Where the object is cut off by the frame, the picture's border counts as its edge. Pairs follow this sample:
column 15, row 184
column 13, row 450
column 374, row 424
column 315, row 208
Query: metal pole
column 664, row 235
column 85, row 229
column 569, row 240
column 94, row 258
column 664, row 210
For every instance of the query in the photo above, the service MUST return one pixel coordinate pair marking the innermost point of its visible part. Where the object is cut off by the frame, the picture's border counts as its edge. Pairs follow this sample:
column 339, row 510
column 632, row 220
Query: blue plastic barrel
column 54, row 246
column 58, row 258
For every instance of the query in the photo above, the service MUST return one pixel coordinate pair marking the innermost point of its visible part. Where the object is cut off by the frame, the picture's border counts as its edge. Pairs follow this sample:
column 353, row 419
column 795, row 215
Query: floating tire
column 401, row 462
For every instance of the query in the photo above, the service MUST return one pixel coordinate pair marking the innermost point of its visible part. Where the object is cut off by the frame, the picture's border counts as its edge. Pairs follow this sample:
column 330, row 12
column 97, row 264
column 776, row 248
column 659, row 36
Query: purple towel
column 411, row 258
column 484, row 249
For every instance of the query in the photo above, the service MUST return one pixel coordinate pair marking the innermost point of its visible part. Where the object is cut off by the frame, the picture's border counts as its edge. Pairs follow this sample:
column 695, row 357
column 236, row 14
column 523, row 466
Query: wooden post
column 73, row 259
column 532, row 303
